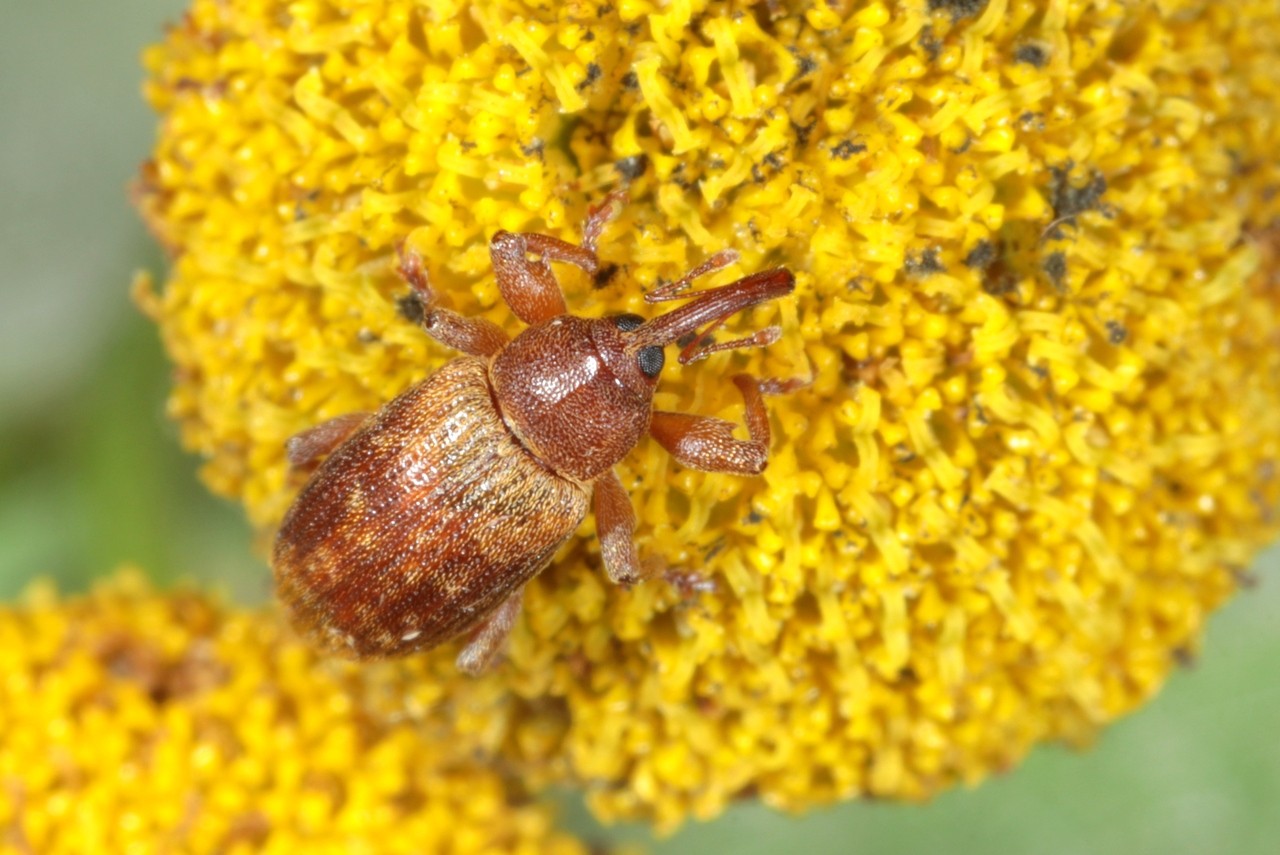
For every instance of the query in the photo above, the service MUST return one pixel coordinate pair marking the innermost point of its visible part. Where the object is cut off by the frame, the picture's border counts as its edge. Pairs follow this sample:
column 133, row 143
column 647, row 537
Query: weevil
column 427, row 518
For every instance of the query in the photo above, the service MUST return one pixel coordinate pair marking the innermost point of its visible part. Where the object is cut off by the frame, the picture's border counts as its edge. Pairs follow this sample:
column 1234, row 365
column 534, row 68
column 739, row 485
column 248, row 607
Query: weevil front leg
column 488, row 640
column 615, row 526
column 475, row 336
column 708, row 444
column 527, row 284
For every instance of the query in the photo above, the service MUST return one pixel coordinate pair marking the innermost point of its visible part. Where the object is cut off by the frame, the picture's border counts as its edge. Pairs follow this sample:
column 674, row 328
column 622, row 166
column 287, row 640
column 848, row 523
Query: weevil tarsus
column 778, row 386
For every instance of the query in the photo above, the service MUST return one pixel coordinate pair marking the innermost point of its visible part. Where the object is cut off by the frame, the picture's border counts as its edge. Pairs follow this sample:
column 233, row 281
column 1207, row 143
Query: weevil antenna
column 713, row 307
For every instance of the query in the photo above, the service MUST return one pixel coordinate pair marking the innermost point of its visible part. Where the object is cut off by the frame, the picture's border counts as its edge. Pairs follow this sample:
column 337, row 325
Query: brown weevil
column 428, row 517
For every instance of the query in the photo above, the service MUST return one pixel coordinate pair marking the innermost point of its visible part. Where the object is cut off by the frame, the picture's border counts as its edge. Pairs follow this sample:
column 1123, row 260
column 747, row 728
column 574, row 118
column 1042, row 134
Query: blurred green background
column 91, row 476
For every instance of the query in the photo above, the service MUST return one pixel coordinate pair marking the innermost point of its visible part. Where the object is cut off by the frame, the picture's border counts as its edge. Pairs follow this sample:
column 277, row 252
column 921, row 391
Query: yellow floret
column 1034, row 245
column 141, row 722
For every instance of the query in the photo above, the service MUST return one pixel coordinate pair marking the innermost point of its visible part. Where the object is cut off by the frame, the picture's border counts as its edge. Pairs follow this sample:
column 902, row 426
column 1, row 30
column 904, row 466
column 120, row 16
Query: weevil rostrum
column 428, row 517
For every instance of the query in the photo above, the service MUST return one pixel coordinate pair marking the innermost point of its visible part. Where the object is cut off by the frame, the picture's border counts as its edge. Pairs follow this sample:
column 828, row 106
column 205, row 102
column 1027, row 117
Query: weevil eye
column 650, row 359
column 628, row 322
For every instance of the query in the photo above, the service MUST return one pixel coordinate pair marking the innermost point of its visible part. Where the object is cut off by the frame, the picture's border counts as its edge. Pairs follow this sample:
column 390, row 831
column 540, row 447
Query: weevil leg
column 488, row 640
column 475, row 336
column 528, row 285
column 707, row 443
column 317, row 441
column 615, row 525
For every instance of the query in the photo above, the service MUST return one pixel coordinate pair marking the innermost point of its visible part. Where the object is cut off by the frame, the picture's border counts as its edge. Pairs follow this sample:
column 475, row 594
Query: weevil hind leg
column 490, row 637
column 315, row 442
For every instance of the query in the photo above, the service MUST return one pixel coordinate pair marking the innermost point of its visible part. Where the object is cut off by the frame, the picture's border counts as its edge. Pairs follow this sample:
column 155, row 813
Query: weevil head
column 578, row 392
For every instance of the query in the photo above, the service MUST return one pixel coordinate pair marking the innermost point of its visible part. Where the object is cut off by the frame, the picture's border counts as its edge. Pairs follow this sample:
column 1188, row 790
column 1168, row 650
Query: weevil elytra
column 428, row 517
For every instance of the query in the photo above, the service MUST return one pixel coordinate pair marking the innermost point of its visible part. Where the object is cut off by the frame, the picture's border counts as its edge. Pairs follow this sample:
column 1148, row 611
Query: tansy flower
column 140, row 722
column 1035, row 248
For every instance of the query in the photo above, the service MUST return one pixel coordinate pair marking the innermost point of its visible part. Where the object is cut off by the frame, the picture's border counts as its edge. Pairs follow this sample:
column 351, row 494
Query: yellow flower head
column 1032, row 242
column 135, row 722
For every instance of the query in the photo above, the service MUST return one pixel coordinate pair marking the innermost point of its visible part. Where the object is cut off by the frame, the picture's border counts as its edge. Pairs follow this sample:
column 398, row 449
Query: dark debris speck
column 958, row 8
column 604, row 275
column 847, row 149
column 981, row 256
column 1055, row 267
column 1033, row 54
column 1116, row 333
column 925, row 263
column 929, row 43
column 409, row 307
column 1001, row 285
column 1031, row 121
column 593, row 74
column 802, row 132
column 632, row 167
column 1070, row 201
column 997, row 279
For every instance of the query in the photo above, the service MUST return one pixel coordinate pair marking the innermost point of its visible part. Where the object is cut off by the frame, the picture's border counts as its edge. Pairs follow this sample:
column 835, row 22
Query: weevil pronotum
column 428, row 517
